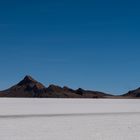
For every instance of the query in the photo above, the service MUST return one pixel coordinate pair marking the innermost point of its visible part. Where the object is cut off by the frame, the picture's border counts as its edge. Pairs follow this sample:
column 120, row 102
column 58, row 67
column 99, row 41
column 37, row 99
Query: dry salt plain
column 69, row 119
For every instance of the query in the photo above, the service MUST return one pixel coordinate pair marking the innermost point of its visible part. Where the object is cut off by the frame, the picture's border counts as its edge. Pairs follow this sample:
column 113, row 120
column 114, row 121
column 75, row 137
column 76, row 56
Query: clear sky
column 93, row 44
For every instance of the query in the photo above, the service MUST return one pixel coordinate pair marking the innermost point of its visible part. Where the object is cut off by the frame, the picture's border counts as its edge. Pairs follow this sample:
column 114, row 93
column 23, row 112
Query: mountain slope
column 29, row 87
column 133, row 93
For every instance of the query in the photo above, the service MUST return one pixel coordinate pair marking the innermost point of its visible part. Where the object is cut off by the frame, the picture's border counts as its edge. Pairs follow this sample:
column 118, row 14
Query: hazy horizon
column 89, row 44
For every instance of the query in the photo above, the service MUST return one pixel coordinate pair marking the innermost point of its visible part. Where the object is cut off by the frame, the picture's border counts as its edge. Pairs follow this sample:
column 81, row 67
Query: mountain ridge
column 31, row 88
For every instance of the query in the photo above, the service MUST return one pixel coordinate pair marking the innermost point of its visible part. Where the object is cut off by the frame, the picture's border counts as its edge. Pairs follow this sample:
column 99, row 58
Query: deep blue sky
column 93, row 44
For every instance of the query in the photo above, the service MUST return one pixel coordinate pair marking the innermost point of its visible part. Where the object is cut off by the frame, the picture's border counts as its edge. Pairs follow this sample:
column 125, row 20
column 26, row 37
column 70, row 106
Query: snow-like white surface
column 67, row 119
column 67, row 106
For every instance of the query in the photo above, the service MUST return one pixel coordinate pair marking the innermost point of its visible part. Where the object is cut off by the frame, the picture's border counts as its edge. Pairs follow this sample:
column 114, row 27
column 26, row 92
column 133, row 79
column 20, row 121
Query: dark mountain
column 91, row 94
column 29, row 87
column 59, row 92
column 133, row 94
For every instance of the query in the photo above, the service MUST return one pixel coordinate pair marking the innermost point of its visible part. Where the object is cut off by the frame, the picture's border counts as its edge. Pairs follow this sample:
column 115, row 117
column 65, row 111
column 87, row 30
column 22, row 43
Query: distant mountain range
column 30, row 88
column 133, row 93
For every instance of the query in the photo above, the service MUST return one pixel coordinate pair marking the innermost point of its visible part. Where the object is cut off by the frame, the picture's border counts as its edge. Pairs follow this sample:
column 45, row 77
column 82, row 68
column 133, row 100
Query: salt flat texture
column 67, row 106
column 69, row 119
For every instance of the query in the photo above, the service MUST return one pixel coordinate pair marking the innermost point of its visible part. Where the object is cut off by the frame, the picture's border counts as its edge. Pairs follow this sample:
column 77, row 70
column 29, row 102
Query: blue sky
column 93, row 44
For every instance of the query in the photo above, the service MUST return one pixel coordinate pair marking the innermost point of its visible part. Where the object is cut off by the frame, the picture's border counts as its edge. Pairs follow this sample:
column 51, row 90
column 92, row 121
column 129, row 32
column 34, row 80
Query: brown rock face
column 59, row 92
column 30, row 82
column 29, row 87
column 91, row 94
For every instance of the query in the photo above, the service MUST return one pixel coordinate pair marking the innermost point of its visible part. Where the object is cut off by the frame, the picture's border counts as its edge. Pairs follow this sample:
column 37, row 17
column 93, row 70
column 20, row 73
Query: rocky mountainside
column 29, row 87
column 133, row 94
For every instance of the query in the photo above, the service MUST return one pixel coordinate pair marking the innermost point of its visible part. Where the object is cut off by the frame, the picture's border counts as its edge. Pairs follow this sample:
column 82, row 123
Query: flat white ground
column 69, row 119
